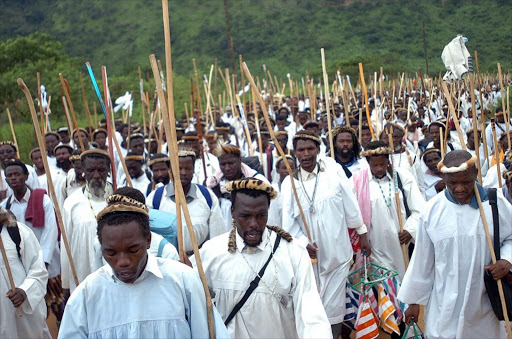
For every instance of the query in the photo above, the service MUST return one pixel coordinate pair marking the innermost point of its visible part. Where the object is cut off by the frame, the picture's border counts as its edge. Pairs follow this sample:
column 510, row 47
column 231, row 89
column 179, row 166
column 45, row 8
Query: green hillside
column 285, row 35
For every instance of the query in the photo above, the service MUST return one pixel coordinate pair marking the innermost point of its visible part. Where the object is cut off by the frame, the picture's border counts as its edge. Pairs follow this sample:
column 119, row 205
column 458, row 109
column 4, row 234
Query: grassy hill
column 285, row 35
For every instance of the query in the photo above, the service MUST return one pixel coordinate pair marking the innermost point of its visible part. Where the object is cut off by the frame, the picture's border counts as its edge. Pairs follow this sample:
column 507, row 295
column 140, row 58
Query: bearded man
column 80, row 211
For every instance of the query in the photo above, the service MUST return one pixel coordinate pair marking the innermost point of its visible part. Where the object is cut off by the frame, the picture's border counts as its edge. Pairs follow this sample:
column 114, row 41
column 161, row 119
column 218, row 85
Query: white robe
column 401, row 160
column 30, row 275
column 447, row 267
column 166, row 301
column 80, row 224
column 212, row 167
column 141, row 183
column 430, row 185
column 207, row 222
column 294, row 311
column 336, row 210
column 32, row 181
column 385, row 226
column 47, row 235
column 491, row 179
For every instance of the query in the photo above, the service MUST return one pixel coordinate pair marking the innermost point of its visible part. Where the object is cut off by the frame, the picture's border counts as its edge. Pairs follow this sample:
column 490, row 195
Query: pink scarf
column 218, row 179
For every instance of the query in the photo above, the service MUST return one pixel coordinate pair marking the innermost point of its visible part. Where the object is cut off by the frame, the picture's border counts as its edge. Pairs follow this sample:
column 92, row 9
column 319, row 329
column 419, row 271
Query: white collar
column 25, row 197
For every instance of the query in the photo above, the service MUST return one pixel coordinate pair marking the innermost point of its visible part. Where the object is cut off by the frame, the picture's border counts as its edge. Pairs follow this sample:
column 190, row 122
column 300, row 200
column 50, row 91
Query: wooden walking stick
column 493, row 258
column 397, row 198
column 198, row 92
column 110, row 132
column 482, row 115
column 505, row 110
column 73, row 116
column 283, row 155
column 327, row 98
column 170, row 125
column 13, row 133
column 84, row 99
column 454, row 116
column 9, row 272
column 475, row 128
column 496, row 152
column 199, row 128
column 365, row 92
column 42, row 146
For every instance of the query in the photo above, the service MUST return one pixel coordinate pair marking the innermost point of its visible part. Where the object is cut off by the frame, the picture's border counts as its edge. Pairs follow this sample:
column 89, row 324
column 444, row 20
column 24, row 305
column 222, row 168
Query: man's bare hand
column 500, row 269
column 312, row 250
column 17, row 296
column 413, row 312
column 365, row 244
column 404, row 237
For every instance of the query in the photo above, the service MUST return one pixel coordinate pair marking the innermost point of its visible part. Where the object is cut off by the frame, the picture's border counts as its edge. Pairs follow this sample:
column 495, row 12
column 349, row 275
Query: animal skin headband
column 461, row 168
column 121, row 203
column 377, row 151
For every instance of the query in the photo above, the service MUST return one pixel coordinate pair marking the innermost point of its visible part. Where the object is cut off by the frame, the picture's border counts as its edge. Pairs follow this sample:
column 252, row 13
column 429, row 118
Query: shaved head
column 456, row 158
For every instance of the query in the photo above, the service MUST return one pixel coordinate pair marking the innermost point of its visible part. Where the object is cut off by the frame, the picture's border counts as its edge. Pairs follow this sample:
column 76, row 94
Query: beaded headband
column 10, row 143
column 80, row 129
column 74, row 157
column 157, row 160
column 251, row 184
column 136, row 135
column 186, row 153
column 431, row 150
column 377, row 151
column 341, row 129
column 303, row 136
column 461, row 168
column 134, row 158
column 121, row 203
column 99, row 130
column 95, row 151
column 287, row 156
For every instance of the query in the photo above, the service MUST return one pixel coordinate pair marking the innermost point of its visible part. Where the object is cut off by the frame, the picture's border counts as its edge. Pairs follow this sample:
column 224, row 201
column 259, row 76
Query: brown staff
column 496, row 152
column 505, row 111
column 170, row 126
column 282, row 154
column 363, row 84
column 327, row 98
column 73, row 116
column 397, row 199
column 493, row 258
column 475, row 128
column 199, row 128
column 42, row 146
column 13, row 133
column 9, row 273
column 84, row 99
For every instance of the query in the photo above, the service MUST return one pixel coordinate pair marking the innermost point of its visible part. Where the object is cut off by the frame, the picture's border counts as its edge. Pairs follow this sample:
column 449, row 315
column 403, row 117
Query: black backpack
column 14, row 233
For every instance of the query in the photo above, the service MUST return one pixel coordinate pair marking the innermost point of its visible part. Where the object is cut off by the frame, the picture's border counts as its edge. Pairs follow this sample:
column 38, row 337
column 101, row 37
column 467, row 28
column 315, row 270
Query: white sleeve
column 216, row 223
column 74, row 322
column 419, row 278
column 291, row 221
column 64, row 260
column 310, row 318
column 49, row 235
column 415, row 202
column 36, row 278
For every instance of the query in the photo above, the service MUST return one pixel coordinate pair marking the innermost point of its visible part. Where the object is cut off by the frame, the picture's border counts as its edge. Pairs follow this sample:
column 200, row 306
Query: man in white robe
column 139, row 177
column 7, row 153
column 451, row 253
column 330, row 209
column 203, row 205
column 136, row 295
column 80, row 210
column 30, row 278
column 500, row 127
column 433, row 178
column 44, row 226
column 286, row 298
column 385, row 236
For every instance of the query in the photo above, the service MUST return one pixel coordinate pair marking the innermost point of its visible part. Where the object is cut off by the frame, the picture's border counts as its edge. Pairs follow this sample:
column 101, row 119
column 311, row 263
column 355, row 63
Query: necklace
column 386, row 200
column 312, row 199
column 88, row 195
column 271, row 289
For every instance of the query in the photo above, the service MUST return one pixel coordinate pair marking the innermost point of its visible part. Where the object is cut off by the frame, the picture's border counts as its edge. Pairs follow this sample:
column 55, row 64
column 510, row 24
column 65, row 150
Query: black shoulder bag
column 491, row 285
column 253, row 284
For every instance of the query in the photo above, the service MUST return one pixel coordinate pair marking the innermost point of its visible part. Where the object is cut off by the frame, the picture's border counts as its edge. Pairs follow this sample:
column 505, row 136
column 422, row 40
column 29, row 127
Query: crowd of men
column 277, row 250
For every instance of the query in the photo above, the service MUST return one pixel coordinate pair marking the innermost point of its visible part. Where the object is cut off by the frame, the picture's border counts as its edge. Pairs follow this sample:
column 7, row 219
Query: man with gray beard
column 80, row 210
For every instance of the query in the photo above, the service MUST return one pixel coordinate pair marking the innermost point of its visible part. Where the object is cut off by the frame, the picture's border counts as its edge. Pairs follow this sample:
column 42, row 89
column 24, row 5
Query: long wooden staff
column 454, row 115
column 73, row 116
column 198, row 92
column 482, row 115
column 84, row 99
column 496, row 152
column 397, row 198
column 110, row 132
column 199, row 128
column 475, row 128
column 493, row 258
column 13, row 133
column 42, row 146
column 327, row 98
column 506, row 113
column 170, row 126
column 365, row 92
column 9, row 272
column 282, row 154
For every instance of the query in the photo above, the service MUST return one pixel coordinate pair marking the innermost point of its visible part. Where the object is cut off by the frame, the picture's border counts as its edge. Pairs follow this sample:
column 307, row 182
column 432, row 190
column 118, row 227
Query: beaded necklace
column 386, row 200
column 312, row 199
column 271, row 289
